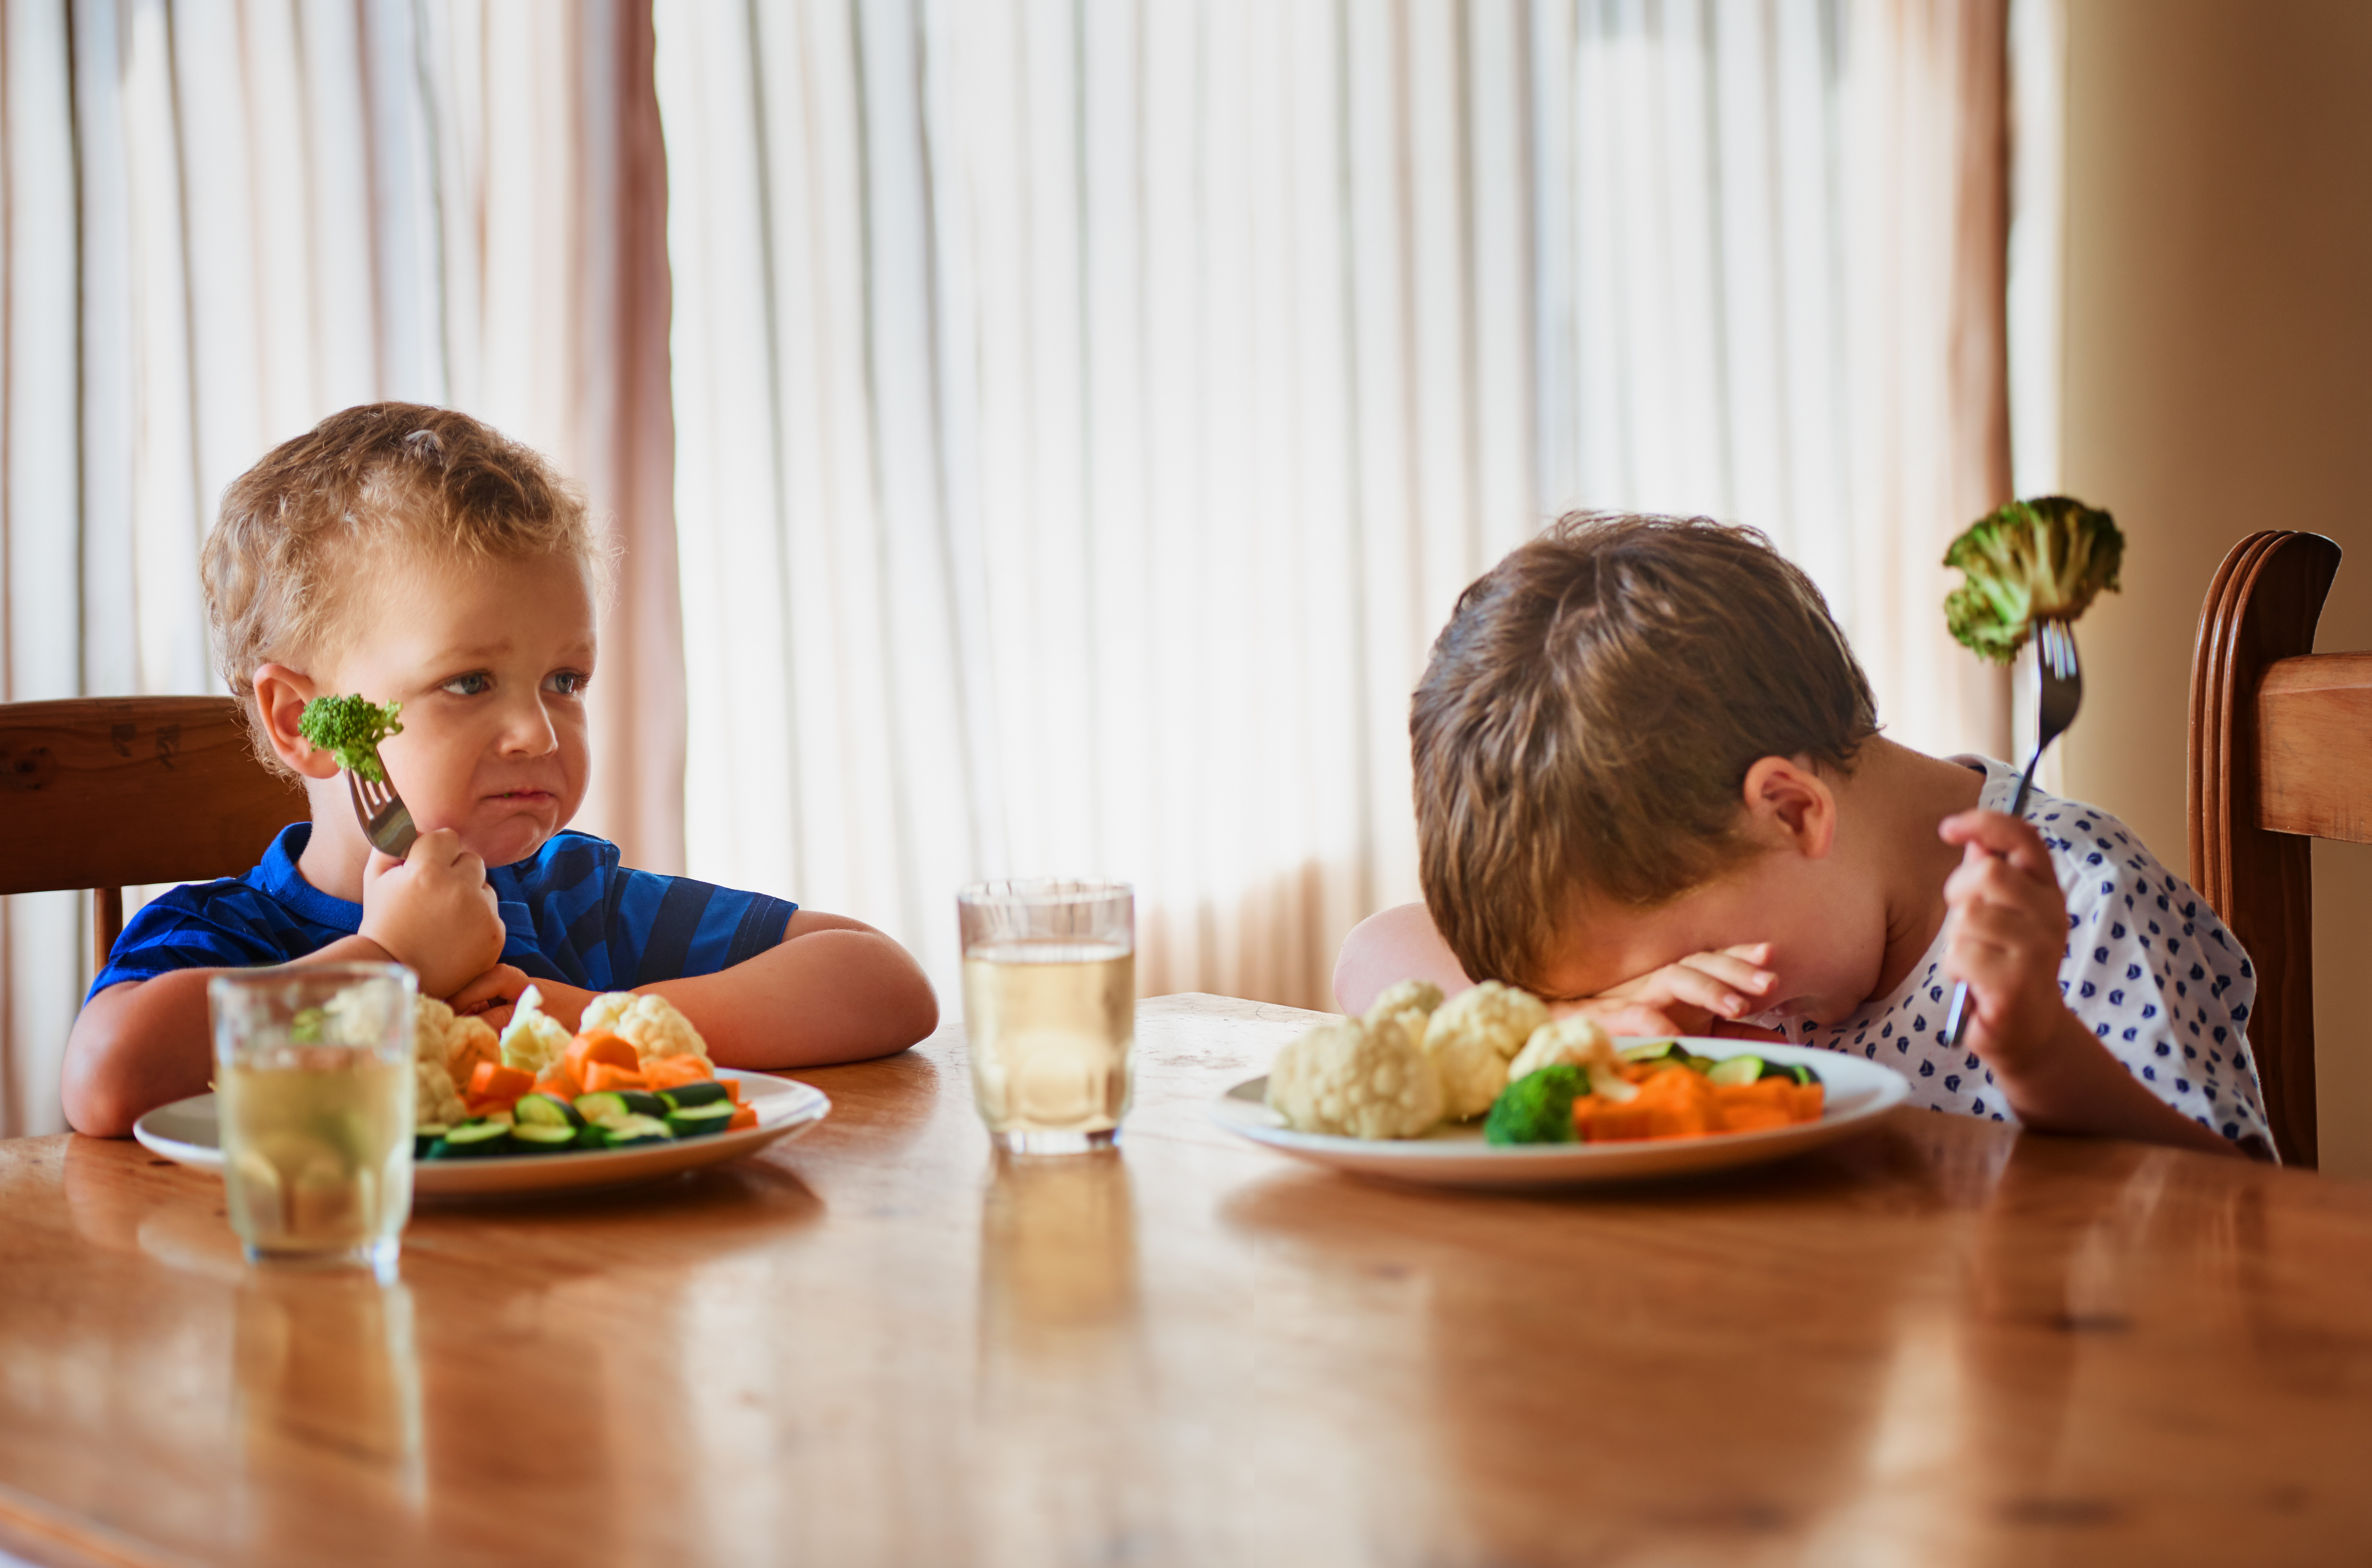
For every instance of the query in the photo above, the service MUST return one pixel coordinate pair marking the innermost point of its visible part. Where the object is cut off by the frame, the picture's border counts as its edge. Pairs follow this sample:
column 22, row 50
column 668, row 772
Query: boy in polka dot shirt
column 1650, row 786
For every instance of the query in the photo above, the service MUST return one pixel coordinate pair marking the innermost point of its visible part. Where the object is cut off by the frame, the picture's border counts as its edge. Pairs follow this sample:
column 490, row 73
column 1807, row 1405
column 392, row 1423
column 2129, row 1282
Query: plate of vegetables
column 1487, row 1090
column 630, row 1098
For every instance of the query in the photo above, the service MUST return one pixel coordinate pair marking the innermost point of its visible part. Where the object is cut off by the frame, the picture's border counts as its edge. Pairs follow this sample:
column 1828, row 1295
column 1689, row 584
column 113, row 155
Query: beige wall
column 2218, row 379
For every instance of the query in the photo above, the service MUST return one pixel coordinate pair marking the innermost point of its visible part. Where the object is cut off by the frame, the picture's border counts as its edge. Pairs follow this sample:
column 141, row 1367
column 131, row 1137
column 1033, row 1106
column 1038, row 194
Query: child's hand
column 1682, row 998
column 433, row 911
column 2009, row 932
column 491, row 996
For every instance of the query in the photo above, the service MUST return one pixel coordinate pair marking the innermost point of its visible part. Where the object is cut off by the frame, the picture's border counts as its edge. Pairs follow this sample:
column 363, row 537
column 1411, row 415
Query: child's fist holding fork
column 434, row 910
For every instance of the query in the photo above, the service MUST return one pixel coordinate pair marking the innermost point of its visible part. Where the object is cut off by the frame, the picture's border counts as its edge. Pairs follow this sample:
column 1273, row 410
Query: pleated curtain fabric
column 227, row 218
column 1086, row 416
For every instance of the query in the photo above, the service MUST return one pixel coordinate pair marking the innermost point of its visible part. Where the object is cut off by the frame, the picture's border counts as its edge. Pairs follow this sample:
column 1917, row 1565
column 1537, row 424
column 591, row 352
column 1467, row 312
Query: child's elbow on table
column 834, row 990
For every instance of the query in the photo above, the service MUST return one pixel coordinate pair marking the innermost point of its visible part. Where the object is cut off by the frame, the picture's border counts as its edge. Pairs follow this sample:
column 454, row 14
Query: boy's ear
column 1791, row 804
column 281, row 694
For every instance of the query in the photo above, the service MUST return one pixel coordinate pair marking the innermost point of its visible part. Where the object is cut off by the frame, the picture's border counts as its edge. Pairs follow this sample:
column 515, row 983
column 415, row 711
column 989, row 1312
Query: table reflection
column 329, row 1361
column 1064, row 1454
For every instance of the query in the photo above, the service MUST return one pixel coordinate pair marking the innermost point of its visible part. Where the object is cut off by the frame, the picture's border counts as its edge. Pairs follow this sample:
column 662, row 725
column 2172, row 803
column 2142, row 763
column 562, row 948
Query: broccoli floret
column 350, row 728
column 1537, row 1108
column 2042, row 560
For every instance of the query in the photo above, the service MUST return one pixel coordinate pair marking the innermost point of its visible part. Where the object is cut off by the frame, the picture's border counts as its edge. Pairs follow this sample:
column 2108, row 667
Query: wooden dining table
column 1942, row 1342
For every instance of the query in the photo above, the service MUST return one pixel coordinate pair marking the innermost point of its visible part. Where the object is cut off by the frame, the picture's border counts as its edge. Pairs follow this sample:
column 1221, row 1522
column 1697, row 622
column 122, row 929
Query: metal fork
column 386, row 821
column 2058, row 693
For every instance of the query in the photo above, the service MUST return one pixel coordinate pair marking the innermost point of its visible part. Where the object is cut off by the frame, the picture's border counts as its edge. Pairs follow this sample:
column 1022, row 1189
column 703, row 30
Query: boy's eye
column 568, row 683
column 476, row 683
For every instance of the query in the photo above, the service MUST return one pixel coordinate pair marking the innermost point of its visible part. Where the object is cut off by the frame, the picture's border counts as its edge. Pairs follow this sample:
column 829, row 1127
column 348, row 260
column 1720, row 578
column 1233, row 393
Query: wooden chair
column 106, row 792
column 2281, row 754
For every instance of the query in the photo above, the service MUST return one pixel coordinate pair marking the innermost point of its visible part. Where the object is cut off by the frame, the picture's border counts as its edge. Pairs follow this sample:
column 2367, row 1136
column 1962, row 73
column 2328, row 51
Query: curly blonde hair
column 302, row 529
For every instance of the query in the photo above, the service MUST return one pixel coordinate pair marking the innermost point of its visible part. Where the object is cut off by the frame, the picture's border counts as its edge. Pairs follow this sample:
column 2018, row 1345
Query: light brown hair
column 1586, row 720
column 302, row 527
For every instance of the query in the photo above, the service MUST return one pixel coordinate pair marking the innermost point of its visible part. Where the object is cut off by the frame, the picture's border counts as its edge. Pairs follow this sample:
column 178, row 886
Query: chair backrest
column 2281, row 754
column 105, row 792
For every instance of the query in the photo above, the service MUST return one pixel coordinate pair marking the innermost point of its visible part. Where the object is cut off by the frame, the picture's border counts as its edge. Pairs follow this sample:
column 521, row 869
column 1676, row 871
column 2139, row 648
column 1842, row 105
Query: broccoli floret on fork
column 2042, row 560
column 350, row 728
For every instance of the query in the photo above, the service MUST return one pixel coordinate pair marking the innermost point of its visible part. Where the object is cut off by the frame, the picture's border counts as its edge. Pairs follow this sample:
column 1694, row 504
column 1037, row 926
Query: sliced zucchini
column 1802, row 1074
column 707, row 1091
column 641, row 1103
column 424, row 1138
column 1656, row 1050
column 472, row 1140
column 693, row 1121
column 543, row 1110
column 543, row 1137
column 1735, row 1070
column 625, row 1131
column 593, row 1107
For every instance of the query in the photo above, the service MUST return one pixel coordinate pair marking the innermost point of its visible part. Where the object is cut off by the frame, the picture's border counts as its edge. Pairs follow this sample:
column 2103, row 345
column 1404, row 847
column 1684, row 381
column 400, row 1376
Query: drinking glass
column 313, row 1080
column 1049, row 1003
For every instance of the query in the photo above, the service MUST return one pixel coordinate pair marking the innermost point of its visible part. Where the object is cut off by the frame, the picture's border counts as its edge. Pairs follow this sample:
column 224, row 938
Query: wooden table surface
column 1938, row 1344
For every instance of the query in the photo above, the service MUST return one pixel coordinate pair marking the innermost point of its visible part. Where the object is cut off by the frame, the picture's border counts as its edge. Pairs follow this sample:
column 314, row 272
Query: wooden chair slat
column 2314, row 746
column 106, row 792
column 2261, row 612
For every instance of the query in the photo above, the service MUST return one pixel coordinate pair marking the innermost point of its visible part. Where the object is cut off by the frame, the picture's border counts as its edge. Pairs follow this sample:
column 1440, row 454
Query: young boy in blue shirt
column 1651, row 788
column 414, row 555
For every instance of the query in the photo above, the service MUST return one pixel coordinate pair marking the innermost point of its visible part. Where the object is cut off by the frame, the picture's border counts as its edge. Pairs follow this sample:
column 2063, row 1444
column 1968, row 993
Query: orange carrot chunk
column 600, row 1077
column 492, row 1080
column 743, row 1120
column 673, row 1072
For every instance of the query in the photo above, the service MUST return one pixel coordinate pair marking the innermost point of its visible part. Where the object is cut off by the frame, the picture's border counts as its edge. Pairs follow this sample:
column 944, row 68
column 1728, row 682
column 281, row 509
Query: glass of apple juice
column 1050, row 1005
column 313, row 1085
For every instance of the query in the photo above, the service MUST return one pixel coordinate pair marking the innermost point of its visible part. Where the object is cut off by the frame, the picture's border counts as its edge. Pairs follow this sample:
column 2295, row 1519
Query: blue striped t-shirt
column 570, row 913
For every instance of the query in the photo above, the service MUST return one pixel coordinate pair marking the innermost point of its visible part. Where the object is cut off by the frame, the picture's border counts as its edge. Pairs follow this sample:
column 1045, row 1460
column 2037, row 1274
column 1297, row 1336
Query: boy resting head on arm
column 412, row 555
column 1650, row 788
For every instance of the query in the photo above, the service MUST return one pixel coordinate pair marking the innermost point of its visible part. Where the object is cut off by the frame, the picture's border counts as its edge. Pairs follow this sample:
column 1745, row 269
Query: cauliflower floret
column 1471, row 1038
column 435, row 1101
column 452, row 1042
column 1420, row 996
column 648, row 1023
column 535, row 1039
column 1582, row 1043
column 1356, row 1079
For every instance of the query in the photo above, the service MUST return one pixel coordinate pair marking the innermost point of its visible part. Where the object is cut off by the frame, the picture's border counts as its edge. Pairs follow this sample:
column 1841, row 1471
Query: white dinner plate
column 1856, row 1093
column 189, row 1130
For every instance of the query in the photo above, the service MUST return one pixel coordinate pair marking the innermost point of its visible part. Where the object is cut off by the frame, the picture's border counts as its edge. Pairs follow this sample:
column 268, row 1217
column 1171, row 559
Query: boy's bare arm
column 833, row 990
column 146, row 1044
column 143, row 1043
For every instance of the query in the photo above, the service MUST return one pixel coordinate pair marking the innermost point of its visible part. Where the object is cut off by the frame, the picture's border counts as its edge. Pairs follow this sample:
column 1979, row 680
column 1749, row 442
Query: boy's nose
column 531, row 732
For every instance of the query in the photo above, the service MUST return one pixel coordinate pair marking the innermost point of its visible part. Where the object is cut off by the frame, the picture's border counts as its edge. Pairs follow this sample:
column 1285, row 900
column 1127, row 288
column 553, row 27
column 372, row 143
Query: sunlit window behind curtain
column 1086, row 416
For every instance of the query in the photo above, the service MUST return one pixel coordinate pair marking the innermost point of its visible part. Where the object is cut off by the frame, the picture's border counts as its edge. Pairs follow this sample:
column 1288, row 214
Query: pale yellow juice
column 1051, row 1023
column 316, row 1149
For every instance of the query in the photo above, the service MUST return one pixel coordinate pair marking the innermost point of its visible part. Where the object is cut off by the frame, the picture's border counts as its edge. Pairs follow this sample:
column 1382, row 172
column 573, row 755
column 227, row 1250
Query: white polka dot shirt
column 2149, row 968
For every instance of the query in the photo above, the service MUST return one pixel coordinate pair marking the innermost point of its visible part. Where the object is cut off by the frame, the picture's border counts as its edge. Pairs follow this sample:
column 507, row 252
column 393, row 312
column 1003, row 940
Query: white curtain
column 226, row 218
column 1086, row 414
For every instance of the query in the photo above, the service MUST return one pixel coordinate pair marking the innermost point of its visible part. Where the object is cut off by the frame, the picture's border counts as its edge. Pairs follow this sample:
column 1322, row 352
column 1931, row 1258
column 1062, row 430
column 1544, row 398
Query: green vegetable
column 549, row 1110
column 593, row 1107
column 542, row 1137
column 1537, row 1108
column 707, row 1091
column 424, row 1138
column 694, row 1121
column 642, row 1102
column 623, row 1131
column 2042, row 560
column 471, row 1140
column 1656, row 1050
column 350, row 728
column 1735, row 1070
